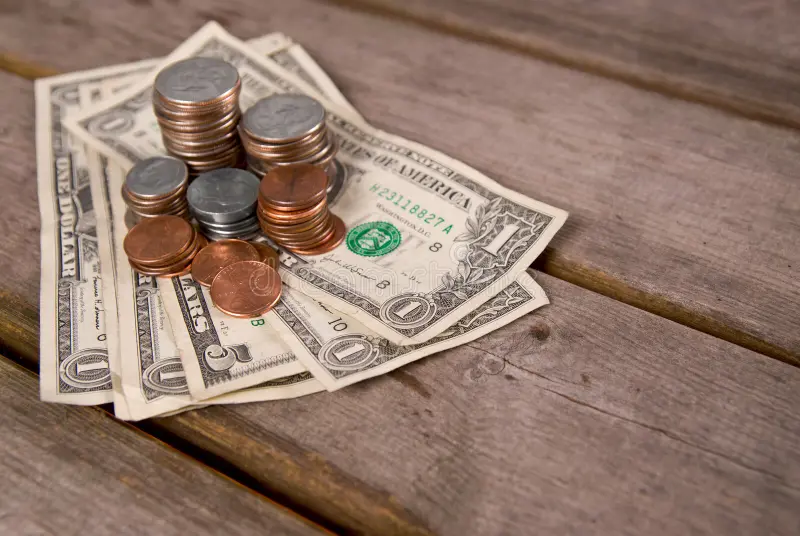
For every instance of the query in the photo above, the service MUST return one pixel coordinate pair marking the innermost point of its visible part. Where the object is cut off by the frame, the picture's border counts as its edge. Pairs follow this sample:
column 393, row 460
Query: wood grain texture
column 740, row 56
column 586, row 417
column 676, row 208
column 589, row 416
column 71, row 470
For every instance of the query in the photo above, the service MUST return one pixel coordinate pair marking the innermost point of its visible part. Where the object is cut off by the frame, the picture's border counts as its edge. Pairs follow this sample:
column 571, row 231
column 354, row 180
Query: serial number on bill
column 409, row 206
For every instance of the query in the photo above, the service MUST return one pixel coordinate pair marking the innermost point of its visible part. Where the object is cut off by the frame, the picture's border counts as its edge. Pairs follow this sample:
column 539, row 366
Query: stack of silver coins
column 157, row 187
column 287, row 129
column 196, row 102
column 224, row 202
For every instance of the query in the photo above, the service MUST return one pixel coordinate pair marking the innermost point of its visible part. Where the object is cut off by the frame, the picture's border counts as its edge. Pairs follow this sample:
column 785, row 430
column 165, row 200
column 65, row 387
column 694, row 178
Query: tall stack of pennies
column 162, row 246
column 286, row 129
column 157, row 186
column 293, row 210
column 196, row 103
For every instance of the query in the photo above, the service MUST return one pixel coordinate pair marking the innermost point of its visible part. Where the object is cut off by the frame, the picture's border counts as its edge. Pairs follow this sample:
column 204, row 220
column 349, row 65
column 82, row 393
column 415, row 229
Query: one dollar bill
column 80, row 335
column 429, row 238
column 340, row 351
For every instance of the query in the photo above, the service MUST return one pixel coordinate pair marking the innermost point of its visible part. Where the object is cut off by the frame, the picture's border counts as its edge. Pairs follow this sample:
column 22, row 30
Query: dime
column 267, row 254
column 246, row 289
column 156, row 186
column 218, row 255
column 156, row 177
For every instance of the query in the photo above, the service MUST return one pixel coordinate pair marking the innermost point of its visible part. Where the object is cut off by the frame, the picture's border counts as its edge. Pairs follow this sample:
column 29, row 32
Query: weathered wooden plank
column 589, row 416
column 71, row 470
column 739, row 56
column 676, row 208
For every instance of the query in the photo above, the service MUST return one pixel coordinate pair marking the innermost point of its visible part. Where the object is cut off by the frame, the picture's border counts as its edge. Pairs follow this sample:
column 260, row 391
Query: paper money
column 155, row 380
column 429, row 238
column 221, row 353
column 340, row 351
column 74, row 364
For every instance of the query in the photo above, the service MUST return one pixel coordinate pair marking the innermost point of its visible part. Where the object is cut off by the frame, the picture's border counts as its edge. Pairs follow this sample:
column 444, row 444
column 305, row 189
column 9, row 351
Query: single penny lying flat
column 299, row 185
column 267, row 255
column 213, row 258
column 157, row 240
column 246, row 289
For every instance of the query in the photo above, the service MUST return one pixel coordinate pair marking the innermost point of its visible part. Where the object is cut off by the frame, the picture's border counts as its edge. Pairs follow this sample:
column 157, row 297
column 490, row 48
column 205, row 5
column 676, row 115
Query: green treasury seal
column 373, row 239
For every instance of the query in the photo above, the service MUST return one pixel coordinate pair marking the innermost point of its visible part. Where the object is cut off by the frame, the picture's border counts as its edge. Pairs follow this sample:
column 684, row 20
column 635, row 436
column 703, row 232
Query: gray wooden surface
column 739, row 55
column 676, row 208
column 72, row 470
column 587, row 417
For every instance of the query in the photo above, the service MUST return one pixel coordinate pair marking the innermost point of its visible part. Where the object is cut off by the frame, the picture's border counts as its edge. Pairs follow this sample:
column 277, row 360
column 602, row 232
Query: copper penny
column 271, row 227
column 218, row 255
column 280, row 213
column 294, row 185
column 267, row 254
column 338, row 236
column 246, row 289
column 157, row 240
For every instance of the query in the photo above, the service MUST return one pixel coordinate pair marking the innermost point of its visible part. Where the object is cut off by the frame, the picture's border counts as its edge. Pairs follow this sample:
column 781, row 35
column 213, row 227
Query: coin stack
column 293, row 210
column 157, row 186
column 287, row 129
column 196, row 102
column 224, row 202
column 163, row 246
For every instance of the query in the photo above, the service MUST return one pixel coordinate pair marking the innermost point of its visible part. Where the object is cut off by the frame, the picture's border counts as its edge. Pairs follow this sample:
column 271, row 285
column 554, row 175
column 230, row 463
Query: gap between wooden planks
column 467, row 22
column 676, row 208
column 551, row 263
column 85, row 469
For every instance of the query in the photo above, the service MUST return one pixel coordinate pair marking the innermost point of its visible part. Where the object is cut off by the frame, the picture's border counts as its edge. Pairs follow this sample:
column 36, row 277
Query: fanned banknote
column 81, row 356
column 429, row 238
column 340, row 351
column 74, row 364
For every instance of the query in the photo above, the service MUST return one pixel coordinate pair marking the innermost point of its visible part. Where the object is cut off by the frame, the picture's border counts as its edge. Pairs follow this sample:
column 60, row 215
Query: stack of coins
column 287, row 129
column 157, row 186
column 196, row 102
column 224, row 202
column 293, row 210
column 162, row 246
column 246, row 289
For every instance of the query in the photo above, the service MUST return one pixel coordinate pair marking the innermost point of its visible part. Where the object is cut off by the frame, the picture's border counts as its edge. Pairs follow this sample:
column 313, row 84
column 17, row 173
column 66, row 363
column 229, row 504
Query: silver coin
column 283, row 117
column 233, row 233
column 223, row 195
column 243, row 224
column 156, row 177
column 215, row 236
column 197, row 80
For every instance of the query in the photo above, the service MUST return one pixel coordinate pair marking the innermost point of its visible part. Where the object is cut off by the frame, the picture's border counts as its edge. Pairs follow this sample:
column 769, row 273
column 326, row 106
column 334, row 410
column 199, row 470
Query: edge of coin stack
column 162, row 246
column 223, row 201
column 196, row 103
column 293, row 210
column 157, row 187
column 286, row 129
